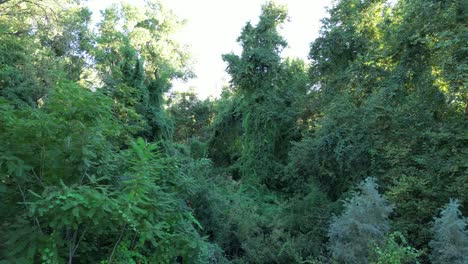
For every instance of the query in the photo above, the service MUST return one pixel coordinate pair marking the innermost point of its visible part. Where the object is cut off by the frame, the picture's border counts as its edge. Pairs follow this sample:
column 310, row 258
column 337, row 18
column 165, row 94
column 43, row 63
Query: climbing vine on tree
column 357, row 155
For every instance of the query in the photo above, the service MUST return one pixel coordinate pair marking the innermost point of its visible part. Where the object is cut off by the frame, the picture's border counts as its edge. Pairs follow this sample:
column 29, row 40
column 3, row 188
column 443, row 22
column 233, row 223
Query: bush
column 364, row 221
column 450, row 242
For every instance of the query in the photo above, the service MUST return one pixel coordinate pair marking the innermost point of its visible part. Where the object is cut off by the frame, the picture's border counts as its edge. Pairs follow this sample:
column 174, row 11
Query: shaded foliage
column 450, row 242
column 100, row 162
column 365, row 220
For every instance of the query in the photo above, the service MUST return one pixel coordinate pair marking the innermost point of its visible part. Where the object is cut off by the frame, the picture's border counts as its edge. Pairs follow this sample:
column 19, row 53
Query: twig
column 79, row 240
column 26, row 207
column 116, row 244
column 37, row 177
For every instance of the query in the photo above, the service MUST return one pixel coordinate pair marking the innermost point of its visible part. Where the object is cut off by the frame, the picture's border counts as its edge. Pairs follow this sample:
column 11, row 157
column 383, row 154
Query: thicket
column 100, row 162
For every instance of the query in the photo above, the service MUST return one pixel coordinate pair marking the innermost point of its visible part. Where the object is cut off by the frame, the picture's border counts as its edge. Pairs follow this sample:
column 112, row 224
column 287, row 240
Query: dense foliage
column 359, row 155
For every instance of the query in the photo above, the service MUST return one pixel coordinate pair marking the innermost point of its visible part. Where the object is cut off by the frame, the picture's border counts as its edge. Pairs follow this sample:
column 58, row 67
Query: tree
column 389, row 104
column 268, row 89
column 97, row 165
column 75, row 185
column 137, row 64
column 364, row 221
column 71, row 193
column 42, row 41
column 450, row 241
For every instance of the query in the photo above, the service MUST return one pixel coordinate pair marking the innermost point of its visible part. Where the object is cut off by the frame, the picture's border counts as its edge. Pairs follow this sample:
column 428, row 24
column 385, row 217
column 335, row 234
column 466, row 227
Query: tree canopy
column 102, row 162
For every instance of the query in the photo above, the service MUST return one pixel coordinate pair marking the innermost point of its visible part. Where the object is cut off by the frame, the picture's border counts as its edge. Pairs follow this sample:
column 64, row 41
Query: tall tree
column 267, row 105
column 137, row 63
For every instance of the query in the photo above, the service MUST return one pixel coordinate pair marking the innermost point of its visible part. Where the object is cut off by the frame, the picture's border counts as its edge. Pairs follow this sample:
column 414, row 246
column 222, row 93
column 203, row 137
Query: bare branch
column 116, row 244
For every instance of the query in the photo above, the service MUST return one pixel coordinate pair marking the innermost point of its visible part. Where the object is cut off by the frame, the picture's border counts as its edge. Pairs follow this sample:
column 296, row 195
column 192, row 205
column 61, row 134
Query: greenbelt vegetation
column 358, row 155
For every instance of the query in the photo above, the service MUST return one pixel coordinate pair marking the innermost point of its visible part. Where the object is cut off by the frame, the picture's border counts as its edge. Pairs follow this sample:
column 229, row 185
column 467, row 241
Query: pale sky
column 213, row 26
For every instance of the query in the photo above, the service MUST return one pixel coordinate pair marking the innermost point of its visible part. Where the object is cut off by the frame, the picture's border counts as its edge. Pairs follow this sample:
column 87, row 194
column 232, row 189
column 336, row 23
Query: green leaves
column 74, row 182
column 270, row 92
column 138, row 63
column 385, row 108
column 395, row 250
column 74, row 206
column 89, row 172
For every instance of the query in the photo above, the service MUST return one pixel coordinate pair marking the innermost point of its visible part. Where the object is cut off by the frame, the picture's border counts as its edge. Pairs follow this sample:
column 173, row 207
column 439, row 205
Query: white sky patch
column 214, row 25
